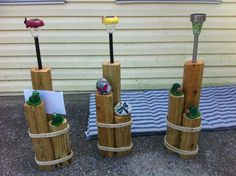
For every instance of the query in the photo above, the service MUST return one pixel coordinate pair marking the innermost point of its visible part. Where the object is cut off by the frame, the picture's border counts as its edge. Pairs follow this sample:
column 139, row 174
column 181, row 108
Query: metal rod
column 36, row 41
column 111, row 48
column 195, row 47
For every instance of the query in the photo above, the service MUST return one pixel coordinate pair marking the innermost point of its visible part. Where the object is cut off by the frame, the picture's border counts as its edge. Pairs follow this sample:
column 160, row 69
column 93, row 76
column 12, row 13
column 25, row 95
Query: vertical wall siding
column 152, row 41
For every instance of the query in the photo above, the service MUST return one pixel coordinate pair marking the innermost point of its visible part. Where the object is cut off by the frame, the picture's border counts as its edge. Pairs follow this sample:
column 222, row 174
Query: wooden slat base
column 123, row 135
column 189, row 141
column 104, row 111
column 37, row 121
column 61, row 144
column 175, row 114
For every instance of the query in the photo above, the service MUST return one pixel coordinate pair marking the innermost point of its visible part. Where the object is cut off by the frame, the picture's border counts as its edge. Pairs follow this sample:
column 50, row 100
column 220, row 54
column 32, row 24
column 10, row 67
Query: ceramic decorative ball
column 103, row 86
column 123, row 109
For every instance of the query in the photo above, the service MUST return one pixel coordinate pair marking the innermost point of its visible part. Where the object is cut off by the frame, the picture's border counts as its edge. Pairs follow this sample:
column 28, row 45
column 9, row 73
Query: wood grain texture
column 41, row 79
column 61, row 144
column 192, row 83
column 175, row 114
column 189, row 141
column 111, row 71
column 123, row 135
column 104, row 112
column 37, row 122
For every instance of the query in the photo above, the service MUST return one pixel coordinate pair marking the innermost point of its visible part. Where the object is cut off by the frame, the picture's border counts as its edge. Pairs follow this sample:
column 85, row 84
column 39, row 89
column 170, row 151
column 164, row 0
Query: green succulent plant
column 57, row 119
column 34, row 99
column 176, row 90
column 193, row 112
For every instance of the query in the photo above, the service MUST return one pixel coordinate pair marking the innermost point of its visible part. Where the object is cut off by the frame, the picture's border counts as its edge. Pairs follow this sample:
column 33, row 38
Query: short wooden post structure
column 61, row 144
column 37, row 122
column 104, row 111
column 111, row 71
column 189, row 140
column 123, row 135
column 175, row 114
column 41, row 79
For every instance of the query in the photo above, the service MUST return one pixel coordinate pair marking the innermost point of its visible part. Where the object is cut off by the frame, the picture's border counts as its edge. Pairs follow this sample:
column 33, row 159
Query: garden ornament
column 123, row 109
column 197, row 21
column 35, row 26
column 192, row 112
column 110, row 22
column 34, row 99
column 103, row 86
column 176, row 90
column 57, row 119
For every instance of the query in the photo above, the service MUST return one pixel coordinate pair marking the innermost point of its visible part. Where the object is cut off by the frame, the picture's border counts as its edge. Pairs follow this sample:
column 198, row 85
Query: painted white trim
column 25, row 2
column 170, row 1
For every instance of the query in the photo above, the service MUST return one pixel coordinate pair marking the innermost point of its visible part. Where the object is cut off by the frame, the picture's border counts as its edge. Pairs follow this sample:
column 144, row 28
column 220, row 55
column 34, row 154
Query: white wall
column 152, row 42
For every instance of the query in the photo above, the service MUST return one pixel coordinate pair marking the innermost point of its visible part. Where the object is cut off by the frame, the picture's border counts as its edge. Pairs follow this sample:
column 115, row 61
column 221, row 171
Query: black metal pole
column 111, row 48
column 36, row 41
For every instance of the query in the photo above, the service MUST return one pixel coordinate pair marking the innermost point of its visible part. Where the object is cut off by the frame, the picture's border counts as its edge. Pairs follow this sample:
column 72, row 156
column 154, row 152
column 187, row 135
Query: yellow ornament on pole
column 110, row 20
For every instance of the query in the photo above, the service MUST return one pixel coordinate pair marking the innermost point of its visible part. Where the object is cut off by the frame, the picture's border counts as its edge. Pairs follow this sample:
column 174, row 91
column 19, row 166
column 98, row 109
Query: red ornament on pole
column 33, row 23
column 35, row 27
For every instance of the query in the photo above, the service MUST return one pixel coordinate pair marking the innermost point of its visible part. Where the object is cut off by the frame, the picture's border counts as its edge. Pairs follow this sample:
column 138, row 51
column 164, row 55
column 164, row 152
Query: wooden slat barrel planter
column 123, row 135
column 104, row 112
column 37, row 122
column 175, row 111
column 189, row 140
column 61, row 144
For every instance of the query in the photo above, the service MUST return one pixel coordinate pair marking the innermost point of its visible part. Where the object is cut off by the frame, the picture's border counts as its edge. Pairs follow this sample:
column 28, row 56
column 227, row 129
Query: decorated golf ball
column 123, row 109
column 103, row 86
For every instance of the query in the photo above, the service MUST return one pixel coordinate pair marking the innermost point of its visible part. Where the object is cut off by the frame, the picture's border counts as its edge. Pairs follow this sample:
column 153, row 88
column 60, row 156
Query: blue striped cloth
column 149, row 109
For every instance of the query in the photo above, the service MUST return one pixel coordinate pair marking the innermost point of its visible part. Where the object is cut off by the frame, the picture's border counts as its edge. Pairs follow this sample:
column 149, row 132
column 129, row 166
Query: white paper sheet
column 54, row 101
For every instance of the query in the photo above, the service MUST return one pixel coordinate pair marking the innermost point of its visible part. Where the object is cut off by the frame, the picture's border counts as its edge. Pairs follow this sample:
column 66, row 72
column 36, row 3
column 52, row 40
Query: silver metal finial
column 198, row 17
column 197, row 20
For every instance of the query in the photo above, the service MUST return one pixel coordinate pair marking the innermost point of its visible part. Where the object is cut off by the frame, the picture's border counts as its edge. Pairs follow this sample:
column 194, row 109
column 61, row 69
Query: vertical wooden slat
column 104, row 112
column 175, row 114
column 189, row 140
column 37, row 122
column 192, row 83
column 122, row 135
column 111, row 71
column 41, row 79
column 61, row 144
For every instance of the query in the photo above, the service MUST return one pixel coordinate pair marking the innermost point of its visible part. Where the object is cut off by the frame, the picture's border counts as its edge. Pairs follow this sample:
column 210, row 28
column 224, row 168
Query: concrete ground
column 217, row 155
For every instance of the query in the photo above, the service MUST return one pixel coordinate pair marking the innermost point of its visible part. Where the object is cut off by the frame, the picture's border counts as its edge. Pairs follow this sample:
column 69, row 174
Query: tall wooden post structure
column 111, row 71
column 192, row 83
